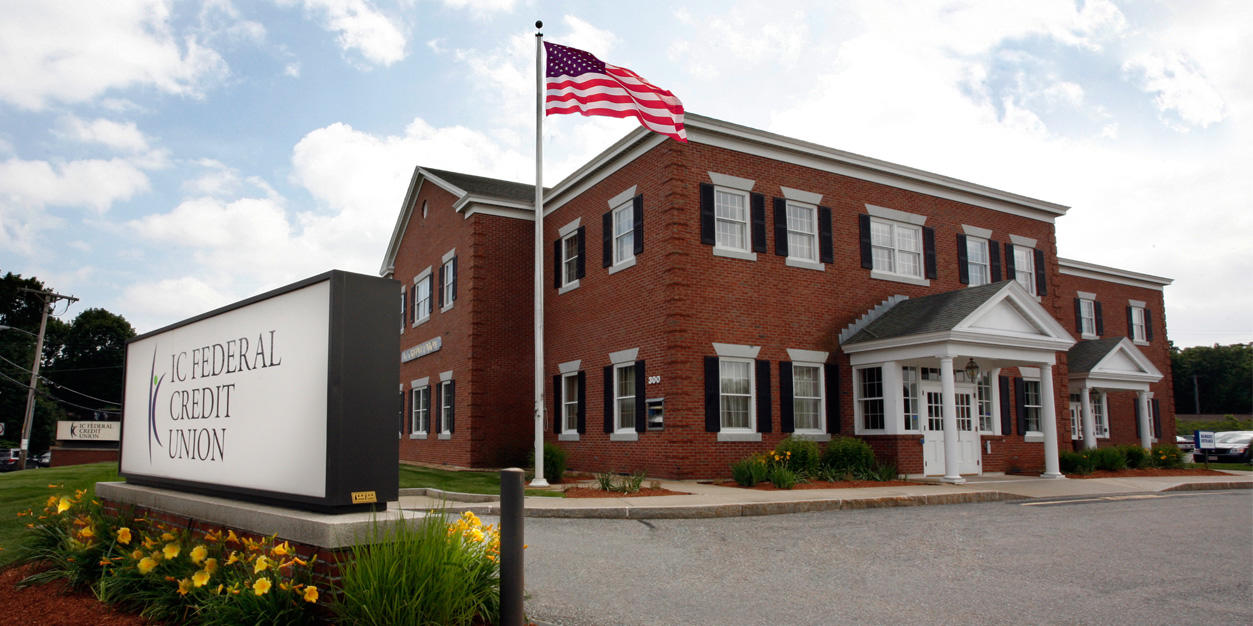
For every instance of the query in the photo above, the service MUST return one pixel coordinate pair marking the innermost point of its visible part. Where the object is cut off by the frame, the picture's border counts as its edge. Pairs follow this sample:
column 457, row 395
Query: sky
column 163, row 159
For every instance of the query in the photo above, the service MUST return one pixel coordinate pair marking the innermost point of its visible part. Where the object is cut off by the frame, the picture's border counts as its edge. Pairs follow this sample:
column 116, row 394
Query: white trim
column 423, row 274
column 621, row 198
column 1033, row 436
column 1019, row 240
column 792, row 261
column 1084, row 269
column 731, row 253
column 1137, row 303
column 448, row 256
column 822, row 398
column 734, row 182
column 1084, row 295
column 569, row 367
column 1029, row 372
column 736, row 351
column 417, row 435
column 819, row 437
column 570, row 286
column 975, row 231
column 417, row 383
column 624, row 435
column 738, row 436
column 445, row 376
column 624, row 356
column 809, row 356
column 895, row 215
column 900, row 278
column 798, row 195
column 569, row 228
column 571, row 437
column 444, row 435
column 618, row 267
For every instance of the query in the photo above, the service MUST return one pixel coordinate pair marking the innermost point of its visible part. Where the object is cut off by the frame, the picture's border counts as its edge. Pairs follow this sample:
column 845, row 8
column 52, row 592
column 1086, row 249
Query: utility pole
column 1196, row 396
column 49, row 299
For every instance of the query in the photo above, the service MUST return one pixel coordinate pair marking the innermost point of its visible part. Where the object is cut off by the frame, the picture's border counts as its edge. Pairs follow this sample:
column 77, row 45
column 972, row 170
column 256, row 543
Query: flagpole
column 539, row 481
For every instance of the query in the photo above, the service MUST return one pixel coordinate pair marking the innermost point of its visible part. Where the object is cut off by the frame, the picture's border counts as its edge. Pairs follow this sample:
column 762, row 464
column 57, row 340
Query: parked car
column 1234, row 446
column 9, row 458
column 1186, row 444
column 42, row 460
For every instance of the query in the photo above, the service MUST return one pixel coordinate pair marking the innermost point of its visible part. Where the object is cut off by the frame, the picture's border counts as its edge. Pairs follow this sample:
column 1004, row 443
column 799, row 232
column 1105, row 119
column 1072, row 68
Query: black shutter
column 1020, row 404
column 1100, row 323
column 787, row 419
column 1079, row 315
column 1009, row 262
column 404, row 404
column 557, row 404
column 1137, row 405
column 1041, row 276
column 757, row 204
column 863, row 231
column 780, row 227
column 640, row 424
column 1157, row 417
column 452, row 401
column 764, row 424
column 831, row 372
column 713, row 423
column 404, row 306
column 582, row 410
column 557, row 264
column 1131, row 324
column 606, row 239
column 438, row 296
column 1007, row 422
column 707, row 213
column 963, row 260
column 609, row 399
column 637, row 218
column 580, row 266
column 438, row 419
column 994, row 260
column 1148, row 325
column 826, row 253
column 928, row 251
column 456, row 276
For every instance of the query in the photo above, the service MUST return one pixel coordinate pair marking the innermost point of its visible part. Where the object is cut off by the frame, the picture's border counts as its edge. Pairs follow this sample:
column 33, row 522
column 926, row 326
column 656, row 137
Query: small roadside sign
column 1203, row 439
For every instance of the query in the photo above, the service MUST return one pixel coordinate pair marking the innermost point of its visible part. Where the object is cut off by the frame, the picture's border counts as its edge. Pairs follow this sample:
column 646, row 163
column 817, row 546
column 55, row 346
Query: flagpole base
column 539, row 482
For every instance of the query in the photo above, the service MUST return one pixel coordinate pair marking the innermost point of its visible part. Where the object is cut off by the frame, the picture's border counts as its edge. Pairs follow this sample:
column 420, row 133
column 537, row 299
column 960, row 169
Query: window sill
column 805, row 263
column 1141, row 342
column 421, row 321
column 445, row 435
column 1033, row 436
column 735, row 254
column 624, row 436
column 446, row 308
column 1089, row 336
column 811, row 436
column 568, row 437
column 417, row 435
column 621, row 265
column 568, row 287
column 899, row 278
column 739, row 436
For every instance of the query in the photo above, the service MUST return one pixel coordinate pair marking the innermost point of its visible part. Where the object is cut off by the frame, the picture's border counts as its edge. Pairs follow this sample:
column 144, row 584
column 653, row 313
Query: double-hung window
column 570, row 258
column 807, row 398
column 450, row 283
column 445, row 407
column 1087, row 317
column 1032, row 405
column 1024, row 268
column 421, row 420
column 978, row 263
column 735, row 394
column 1099, row 423
column 896, row 248
column 983, row 392
column 623, row 233
column 570, row 402
column 731, row 219
column 624, row 398
column 422, row 298
column 870, row 397
column 909, row 392
column 802, row 231
column 1138, row 326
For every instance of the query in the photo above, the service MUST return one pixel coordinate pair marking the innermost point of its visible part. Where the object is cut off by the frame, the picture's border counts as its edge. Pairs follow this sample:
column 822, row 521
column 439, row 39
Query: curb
column 452, row 496
column 1210, row 486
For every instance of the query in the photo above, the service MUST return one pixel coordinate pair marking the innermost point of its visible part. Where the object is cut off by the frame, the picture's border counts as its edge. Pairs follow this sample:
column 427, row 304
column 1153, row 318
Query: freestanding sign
column 288, row 397
column 88, row 431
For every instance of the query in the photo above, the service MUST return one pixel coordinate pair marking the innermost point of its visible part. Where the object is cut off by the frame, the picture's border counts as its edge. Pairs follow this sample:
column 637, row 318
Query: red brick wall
column 80, row 456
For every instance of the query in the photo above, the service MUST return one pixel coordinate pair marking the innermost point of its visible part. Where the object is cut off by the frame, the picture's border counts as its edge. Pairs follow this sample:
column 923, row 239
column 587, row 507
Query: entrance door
column 969, row 459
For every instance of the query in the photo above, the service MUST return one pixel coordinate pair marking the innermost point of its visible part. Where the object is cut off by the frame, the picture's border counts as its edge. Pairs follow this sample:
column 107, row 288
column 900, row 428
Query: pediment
column 1125, row 360
column 1011, row 311
column 1005, row 316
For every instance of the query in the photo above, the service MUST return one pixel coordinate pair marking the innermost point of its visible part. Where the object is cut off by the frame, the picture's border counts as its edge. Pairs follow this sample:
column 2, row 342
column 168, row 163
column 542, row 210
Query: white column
column 1048, row 419
column 893, row 399
column 1104, row 409
column 1146, row 420
column 1089, row 422
column 948, row 391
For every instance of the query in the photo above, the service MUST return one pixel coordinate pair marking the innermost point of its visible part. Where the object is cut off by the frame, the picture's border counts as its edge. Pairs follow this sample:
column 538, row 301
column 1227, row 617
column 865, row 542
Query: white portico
column 1099, row 366
column 931, row 366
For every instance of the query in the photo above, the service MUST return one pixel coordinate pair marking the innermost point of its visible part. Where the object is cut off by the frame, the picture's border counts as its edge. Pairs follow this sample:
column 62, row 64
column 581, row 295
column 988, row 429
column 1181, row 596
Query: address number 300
column 653, row 380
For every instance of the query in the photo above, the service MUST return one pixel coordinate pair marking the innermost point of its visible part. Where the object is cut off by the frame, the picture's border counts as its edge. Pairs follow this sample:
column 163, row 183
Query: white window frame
column 618, row 400
column 978, row 273
column 1038, row 407
column 751, row 397
column 404, row 305
column 1100, row 413
column 570, row 260
column 569, row 406
column 623, row 236
column 982, row 383
column 1075, row 406
column 821, row 427
column 449, row 265
column 1024, row 256
column 794, row 235
column 422, row 312
column 1139, row 330
column 911, row 399
column 860, row 400
column 1087, row 318
column 416, row 412
column 446, row 406
column 895, row 253
column 745, row 225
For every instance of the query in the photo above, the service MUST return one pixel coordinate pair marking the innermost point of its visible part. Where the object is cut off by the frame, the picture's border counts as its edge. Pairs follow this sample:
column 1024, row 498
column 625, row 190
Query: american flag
column 578, row 82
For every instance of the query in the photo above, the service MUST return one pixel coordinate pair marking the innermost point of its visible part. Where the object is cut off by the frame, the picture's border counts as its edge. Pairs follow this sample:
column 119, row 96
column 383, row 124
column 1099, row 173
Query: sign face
column 288, row 397
column 1203, row 439
column 89, row 431
column 422, row 349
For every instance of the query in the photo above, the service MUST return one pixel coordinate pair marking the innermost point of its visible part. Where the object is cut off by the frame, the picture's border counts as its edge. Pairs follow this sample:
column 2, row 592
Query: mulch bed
column 54, row 604
column 1129, row 473
column 822, row 484
column 593, row 492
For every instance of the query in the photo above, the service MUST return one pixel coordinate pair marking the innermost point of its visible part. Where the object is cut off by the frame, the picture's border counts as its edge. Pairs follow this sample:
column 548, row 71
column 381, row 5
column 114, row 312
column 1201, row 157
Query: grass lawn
column 28, row 489
column 462, row 481
column 1244, row 467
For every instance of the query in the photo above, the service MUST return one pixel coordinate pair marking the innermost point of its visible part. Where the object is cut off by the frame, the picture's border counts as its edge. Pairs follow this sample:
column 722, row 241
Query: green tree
column 1224, row 378
column 87, row 370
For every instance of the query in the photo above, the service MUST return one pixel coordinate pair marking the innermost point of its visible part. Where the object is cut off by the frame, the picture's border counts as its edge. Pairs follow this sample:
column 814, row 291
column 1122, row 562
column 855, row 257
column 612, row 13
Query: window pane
column 735, row 411
column 800, row 236
column 907, row 239
column 626, row 381
column 734, row 377
column 570, row 258
column 977, row 261
column 731, row 219
column 805, row 381
column 623, row 233
column 729, row 206
column 570, row 402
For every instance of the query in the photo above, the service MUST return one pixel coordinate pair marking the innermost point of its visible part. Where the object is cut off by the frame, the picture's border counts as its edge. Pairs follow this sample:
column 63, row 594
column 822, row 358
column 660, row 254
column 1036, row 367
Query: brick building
column 704, row 301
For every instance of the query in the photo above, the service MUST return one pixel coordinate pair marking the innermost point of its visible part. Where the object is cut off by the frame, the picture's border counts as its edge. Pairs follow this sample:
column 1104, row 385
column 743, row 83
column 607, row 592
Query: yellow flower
column 213, row 536
column 261, row 587
column 87, row 532
column 198, row 554
column 260, row 566
column 311, row 594
column 171, row 550
column 219, row 589
column 281, row 550
column 476, row 535
column 211, row 565
column 124, row 535
column 200, row 578
column 234, row 558
column 184, row 586
column 64, row 505
column 167, row 537
column 137, row 554
column 146, row 565
column 230, row 537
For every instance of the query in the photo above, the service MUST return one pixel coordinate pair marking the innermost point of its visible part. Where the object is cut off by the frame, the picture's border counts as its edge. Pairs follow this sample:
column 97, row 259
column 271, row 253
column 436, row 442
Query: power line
column 54, row 398
column 57, row 385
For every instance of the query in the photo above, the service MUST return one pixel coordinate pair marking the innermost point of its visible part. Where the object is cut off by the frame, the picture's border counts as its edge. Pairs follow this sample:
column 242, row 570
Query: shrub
column 1075, row 462
column 782, row 477
column 431, row 572
column 848, row 455
column 1166, row 456
column 881, row 473
column 620, row 484
column 554, row 462
column 748, row 472
column 802, row 455
column 1110, row 459
column 1136, row 456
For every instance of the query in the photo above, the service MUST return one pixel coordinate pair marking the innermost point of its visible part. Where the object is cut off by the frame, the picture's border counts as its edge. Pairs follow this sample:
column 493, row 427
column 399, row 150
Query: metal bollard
column 511, row 542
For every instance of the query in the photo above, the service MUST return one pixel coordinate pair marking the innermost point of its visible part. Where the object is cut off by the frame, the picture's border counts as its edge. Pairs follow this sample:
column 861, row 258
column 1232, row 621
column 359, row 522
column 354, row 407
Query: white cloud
column 91, row 183
column 361, row 27
column 74, row 52
column 1179, row 86
column 481, row 8
column 121, row 136
column 292, row 70
column 162, row 302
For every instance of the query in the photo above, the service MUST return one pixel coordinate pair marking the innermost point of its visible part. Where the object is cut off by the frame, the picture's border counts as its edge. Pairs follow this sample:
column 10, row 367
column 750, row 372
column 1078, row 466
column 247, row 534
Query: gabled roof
column 928, row 314
column 1111, row 362
column 475, row 194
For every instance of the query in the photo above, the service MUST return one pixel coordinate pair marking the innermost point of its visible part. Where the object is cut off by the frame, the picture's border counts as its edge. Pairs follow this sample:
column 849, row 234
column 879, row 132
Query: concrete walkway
column 706, row 500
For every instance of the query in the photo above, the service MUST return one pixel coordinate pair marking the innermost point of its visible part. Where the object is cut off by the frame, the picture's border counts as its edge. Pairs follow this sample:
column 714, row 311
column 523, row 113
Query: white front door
column 969, row 459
